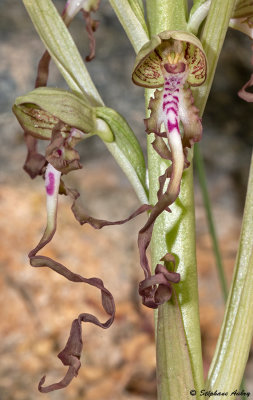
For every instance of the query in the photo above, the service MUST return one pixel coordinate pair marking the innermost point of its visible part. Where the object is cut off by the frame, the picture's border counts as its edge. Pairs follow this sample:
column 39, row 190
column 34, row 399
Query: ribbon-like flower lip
column 154, row 55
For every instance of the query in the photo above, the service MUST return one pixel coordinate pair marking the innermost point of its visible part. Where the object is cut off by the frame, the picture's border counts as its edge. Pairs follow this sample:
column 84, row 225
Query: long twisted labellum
column 70, row 355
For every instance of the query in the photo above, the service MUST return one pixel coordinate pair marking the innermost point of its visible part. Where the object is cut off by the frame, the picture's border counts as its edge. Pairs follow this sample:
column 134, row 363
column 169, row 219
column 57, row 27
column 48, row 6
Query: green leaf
column 139, row 12
column 130, row 22
column 196, row 5
column 61, row 47
column 126, row 150
column 40, row 109
column 141, row 5
column 197, row 16
column 172, row 350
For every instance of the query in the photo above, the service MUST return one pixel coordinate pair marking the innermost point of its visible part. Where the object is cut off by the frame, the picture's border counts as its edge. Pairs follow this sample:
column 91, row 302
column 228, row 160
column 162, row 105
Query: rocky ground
column 37, row 306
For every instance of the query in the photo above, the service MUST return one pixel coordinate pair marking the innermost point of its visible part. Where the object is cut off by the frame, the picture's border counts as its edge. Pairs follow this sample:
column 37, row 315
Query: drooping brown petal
column 162, row 181
column 91, row 27
column 60, row 153
column 145, row 234
column 43, row 70
column 35, row 162
column 70, row 355
column 161, row 148
column 154, row 295
column 84, row 218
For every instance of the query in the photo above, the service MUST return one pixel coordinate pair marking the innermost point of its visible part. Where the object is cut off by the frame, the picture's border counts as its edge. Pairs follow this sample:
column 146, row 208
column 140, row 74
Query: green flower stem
column 166, row 15
column 175, row 382
column 235, row 338
column 180, row 370
column 175, row 233
column 198, row 159
column 134, row 27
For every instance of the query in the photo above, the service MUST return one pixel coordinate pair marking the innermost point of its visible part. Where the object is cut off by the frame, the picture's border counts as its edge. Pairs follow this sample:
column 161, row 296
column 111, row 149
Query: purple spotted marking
column 50, row 184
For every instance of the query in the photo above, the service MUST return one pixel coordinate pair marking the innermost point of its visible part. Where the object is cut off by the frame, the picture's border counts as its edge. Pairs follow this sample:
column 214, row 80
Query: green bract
column 147, row 69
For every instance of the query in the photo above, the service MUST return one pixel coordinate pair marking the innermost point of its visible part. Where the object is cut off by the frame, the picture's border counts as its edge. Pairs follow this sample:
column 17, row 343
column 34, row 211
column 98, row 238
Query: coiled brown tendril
column 157, row 289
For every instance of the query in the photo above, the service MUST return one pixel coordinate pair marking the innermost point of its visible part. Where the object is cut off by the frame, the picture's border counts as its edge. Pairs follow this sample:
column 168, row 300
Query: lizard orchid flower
column 64, row 118
column 172, row 61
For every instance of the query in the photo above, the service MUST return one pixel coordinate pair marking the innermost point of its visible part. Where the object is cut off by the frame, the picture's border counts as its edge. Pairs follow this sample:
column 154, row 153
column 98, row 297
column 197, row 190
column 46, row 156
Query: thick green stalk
column 179, row 357
column 175, row 233
column 235, row 338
